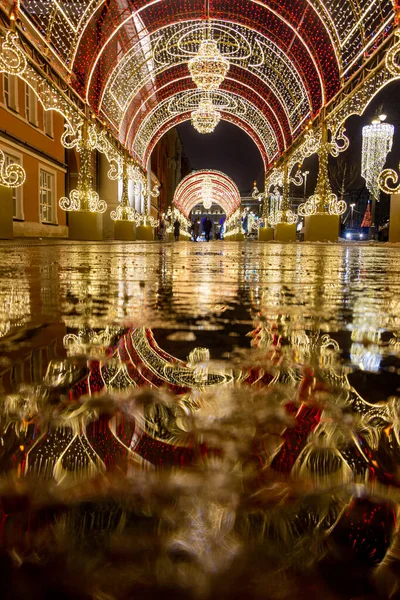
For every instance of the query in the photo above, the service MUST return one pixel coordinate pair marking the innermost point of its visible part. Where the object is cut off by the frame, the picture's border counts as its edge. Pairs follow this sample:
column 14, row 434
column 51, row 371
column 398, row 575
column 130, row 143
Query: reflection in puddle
column 220, row 425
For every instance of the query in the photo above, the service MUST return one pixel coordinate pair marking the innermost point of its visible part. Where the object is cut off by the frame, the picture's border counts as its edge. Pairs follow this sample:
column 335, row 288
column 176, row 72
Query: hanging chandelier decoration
column 205, row 118
column 208, row 68
column 377, row 143
column 207, row 193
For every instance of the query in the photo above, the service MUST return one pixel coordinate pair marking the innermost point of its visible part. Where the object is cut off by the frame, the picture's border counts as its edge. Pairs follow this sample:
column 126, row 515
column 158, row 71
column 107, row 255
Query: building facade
column 31, row 137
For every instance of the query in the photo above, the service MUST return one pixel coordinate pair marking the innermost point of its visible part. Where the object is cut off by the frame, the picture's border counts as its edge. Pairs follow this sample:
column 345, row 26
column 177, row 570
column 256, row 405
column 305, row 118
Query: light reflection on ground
column 197, row 411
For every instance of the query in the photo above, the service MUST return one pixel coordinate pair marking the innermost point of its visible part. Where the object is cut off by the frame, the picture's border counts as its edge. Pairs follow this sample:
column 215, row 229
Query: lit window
column 31, row 112
column 47, row 183
column 10, row 87
column 18, row 212
column 48, row 122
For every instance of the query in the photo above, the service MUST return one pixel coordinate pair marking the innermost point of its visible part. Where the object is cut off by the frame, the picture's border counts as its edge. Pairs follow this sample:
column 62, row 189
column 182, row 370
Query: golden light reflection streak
column 278, row 121
column 275, row 13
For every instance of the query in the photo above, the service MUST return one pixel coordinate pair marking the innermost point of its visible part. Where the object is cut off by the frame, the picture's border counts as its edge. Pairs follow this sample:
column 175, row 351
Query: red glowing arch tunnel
column 207, row 186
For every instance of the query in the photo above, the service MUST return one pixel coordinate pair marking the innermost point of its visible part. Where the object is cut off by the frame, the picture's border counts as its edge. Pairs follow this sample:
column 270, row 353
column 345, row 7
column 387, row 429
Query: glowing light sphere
column 377, row 143
column 206, row 117
column 208, row 68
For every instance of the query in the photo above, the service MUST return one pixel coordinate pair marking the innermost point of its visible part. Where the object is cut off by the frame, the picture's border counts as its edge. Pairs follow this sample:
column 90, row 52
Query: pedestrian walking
column 207, row 228
column 177, row 230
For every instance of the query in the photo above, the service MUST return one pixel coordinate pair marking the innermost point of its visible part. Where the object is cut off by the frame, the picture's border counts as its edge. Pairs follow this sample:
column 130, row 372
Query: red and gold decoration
column 207, row 186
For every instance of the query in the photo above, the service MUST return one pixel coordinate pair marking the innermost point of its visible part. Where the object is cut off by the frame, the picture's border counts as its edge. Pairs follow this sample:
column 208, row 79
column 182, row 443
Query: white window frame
column 11, row 96
column 48, row 125
column 53, row 188
column 12, row 156
column 31, row 105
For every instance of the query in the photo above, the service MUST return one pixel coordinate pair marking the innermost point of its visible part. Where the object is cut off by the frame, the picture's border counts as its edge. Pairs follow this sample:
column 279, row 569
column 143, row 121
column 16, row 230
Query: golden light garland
column 84, row 197
column 385, row 177
column 12, row 175
column 124, row 212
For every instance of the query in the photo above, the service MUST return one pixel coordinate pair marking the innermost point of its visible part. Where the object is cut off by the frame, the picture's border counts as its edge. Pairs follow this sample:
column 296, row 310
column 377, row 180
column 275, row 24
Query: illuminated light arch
column 167, row 92
column 252, row 117
column 279, row 73
column 325, row 40
column 186, row 117
column 224, row 192
column 312, row 76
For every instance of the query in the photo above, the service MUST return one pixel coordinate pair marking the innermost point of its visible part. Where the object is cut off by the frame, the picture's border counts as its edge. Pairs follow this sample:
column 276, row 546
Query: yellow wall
column 36, row 148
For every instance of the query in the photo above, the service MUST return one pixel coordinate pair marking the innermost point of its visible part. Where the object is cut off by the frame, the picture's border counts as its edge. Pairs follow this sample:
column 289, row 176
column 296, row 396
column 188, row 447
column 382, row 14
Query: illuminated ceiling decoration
column 236, row 109
column 12, row 175
column 288, row 59
column 207, row 192
column 208, row 68
column 205, row 118
column 207, row 185
column 377, row 143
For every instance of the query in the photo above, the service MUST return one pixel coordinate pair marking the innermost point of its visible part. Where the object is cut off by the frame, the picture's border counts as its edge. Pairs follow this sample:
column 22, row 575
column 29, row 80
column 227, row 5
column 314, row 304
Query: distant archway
column 220, row 188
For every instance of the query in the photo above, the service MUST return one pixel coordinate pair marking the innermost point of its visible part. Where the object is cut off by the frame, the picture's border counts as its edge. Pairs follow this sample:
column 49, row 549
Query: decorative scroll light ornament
column 84, row 198
column 285, row 214
column 274, row 204
column 324, row 201
column 205, row 118
column 377, row 143
column 12, row 175
column 124, row 212
column 12, row 58
column 145, row 218
column 393, row 56
column 383, row 181
column 89, row 341
column 261, row 197
column 208, row 68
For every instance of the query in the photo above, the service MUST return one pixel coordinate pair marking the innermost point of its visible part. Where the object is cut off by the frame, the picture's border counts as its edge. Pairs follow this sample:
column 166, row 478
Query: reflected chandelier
column 205, row 118
column 208, row 68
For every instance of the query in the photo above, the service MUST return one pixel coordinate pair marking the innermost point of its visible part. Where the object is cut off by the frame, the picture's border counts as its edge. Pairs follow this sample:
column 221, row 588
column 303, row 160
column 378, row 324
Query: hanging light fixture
column 207, row 193
column 208, row 68
column 377, row 143
column 205, row 118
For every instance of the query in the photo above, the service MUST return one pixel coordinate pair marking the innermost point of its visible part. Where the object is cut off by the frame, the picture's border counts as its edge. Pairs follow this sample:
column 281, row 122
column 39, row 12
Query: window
column 47, row 192
column 48, row 122
column 18, row 212
column 31, row 112
column 10, row 87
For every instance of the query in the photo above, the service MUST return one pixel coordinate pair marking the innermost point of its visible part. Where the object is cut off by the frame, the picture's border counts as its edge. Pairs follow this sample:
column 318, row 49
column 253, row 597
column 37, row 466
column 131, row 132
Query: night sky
column 228, row 149
column 232, row 151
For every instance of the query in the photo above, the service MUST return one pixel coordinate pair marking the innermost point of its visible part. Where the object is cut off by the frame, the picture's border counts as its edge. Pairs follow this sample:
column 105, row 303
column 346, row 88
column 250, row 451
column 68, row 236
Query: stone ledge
column 33, row 229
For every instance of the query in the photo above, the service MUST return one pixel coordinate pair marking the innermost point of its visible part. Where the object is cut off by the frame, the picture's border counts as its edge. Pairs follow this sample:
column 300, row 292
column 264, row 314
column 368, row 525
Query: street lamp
column 352, row 215
column 305, row 175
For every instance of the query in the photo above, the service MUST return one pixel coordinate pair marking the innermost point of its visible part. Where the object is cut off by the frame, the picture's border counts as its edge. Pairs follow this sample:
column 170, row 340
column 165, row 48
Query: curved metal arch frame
column 264, row 132
column 275, row 13
column 225, row 117
column 118, row 68
column 129, row 135
column 188, row 193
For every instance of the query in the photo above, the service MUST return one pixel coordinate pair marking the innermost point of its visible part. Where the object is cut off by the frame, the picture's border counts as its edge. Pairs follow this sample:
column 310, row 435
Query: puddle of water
column 214, row 422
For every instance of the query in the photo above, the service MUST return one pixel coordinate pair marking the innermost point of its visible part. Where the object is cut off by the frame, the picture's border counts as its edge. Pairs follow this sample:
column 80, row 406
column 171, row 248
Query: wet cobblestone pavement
column 199, row 420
